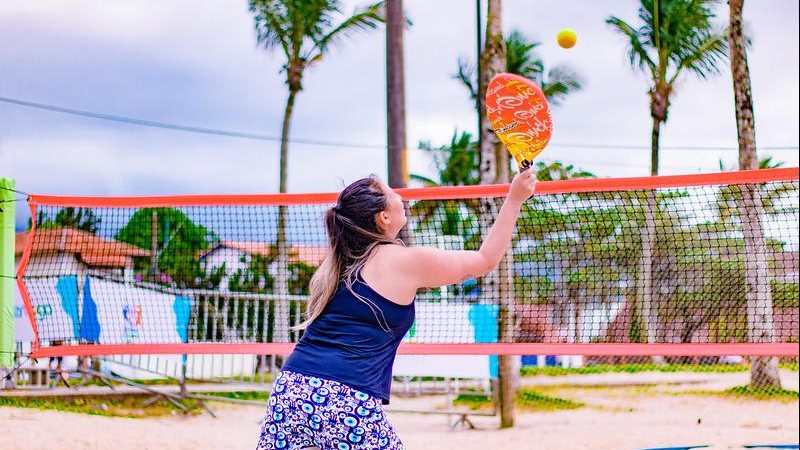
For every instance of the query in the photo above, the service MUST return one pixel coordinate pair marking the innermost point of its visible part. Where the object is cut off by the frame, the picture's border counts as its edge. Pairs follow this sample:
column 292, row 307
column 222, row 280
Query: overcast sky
column 197, row 64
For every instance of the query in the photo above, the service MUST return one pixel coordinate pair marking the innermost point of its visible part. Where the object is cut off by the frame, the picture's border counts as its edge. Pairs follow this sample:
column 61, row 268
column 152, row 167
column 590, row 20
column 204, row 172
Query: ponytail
column 325, row 281
column 353, row 237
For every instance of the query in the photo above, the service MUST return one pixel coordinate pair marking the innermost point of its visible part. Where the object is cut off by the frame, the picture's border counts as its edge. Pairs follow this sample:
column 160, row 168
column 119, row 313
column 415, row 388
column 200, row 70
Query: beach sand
column 614, row 418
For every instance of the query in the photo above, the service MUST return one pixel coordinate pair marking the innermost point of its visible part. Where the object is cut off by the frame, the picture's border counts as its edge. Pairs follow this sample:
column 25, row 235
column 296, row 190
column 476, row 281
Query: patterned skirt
column 306, row 411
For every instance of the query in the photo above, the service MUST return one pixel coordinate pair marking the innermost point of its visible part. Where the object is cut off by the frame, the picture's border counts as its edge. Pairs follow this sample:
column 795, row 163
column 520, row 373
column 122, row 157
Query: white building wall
column 232, row 258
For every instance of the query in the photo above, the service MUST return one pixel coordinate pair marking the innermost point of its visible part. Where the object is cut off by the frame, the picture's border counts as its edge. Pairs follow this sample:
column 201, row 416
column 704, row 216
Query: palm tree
column 763, row 370
column 767, row 163
column 493, row 169
column 456, row 165
column 459, row 167
column 763, row 163
column 83, row 219
column 522, row 59
column 673, row 37
column 729, row 198
column 304, row 31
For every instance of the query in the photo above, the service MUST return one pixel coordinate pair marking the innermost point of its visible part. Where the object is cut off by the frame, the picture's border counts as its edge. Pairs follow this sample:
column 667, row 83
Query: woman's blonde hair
column 353, row 236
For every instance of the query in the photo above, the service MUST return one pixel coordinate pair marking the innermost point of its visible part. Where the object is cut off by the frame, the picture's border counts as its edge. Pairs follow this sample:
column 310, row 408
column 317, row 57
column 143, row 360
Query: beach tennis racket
column 520, row 116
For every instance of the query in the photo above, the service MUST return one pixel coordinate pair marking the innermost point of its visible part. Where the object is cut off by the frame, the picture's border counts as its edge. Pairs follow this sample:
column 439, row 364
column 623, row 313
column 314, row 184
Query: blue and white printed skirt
column 308, row 411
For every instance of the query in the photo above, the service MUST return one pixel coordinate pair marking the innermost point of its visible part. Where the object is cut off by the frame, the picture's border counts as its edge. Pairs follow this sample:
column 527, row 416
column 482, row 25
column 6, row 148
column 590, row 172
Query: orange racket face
column 520, row 116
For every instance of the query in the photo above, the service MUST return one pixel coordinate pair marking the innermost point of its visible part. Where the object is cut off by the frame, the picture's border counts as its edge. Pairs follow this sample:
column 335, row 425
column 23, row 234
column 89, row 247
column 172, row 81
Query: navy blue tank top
column 352, row 343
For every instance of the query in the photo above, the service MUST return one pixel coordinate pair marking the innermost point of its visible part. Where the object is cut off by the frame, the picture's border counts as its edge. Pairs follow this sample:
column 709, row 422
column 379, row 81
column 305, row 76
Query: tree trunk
column 508, row 367
column 281, row 329
column 763, row 370
column 579, row 295
column 498, row 284
column 648, row 309
column 478, row 87
column 493, row 61
column 396, row 103
column 154, row 246
column 654, row 147
column 395, row 91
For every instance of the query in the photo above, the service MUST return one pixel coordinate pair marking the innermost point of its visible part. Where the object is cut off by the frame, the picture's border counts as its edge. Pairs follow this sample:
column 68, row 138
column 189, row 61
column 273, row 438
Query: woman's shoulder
column 400, row 259
column 407, row 252
column 393, row 251
column 387, row 274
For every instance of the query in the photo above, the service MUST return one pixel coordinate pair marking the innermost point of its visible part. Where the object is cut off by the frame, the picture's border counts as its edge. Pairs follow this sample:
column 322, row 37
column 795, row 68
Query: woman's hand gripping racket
column 520, row 116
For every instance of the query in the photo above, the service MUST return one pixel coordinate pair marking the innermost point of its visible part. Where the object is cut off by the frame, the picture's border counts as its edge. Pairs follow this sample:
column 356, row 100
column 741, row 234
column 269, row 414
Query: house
column 536, row 325
column 237, row 255
column 62, row 251
column 786, row 267
column 65, row 252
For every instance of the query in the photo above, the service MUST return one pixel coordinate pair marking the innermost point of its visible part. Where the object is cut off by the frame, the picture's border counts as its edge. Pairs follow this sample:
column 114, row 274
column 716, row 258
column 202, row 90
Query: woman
column 331, row 388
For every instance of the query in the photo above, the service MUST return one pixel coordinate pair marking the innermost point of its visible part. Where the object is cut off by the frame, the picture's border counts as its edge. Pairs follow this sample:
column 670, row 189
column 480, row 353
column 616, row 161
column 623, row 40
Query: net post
column 7, row 210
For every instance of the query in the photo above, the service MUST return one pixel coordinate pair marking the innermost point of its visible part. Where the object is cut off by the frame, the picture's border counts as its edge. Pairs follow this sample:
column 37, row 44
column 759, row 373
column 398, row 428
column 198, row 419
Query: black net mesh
column 699, row 264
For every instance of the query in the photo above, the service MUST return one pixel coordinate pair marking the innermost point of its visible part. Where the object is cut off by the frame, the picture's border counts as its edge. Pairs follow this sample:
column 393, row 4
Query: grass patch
column 122, row 405
column 267, row 378
column 527, row 399
column 790, row 366
column 535, row 401
column 764, row 393
column 242, row 395
column 555, row 371
column 425, row 378
column 637, row 388
column 748, row 392
column 159, row 382
column 473, row 401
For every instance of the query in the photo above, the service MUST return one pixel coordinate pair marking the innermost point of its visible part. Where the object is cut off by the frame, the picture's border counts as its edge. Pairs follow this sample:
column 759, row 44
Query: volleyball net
column 692, row 266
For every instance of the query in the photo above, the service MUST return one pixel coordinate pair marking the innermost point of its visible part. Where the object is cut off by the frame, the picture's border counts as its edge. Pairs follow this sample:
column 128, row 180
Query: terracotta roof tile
column 309, row 254
column 92, row 249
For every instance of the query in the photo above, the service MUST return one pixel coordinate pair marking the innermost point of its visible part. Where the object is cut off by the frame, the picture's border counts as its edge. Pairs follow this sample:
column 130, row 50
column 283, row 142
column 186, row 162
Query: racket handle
column 524, row 165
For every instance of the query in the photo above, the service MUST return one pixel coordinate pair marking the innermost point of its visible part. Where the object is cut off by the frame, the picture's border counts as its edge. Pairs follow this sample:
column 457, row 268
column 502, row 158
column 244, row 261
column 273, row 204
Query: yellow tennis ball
column 567, row 38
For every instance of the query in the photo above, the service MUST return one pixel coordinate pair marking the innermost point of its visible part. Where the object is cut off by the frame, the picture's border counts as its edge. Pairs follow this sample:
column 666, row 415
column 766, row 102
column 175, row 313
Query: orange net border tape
column 616, row 349
column 432, row 193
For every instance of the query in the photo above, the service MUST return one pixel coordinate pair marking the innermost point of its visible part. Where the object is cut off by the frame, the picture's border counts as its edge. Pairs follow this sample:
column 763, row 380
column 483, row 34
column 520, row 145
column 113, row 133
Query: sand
column 615, row 418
